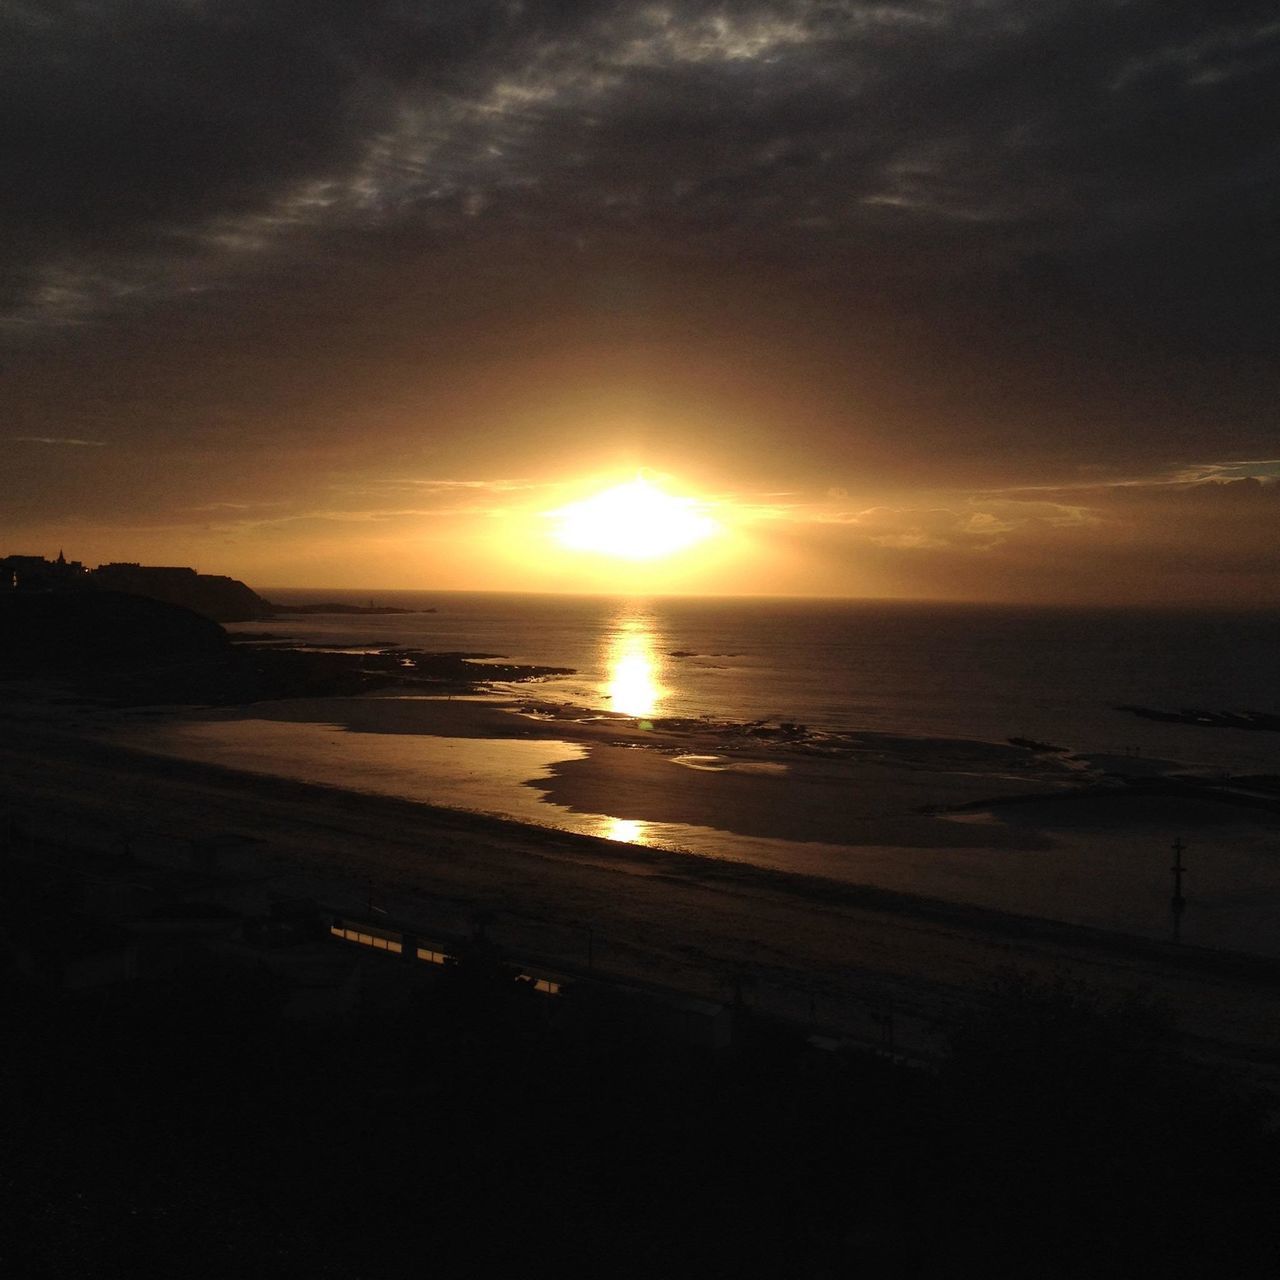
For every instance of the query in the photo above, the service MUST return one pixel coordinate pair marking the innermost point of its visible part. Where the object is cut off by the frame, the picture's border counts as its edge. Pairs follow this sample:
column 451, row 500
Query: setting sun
column 633, row 521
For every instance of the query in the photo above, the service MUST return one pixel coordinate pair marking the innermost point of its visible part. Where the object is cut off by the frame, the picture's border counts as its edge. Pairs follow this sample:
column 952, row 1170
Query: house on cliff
column 214, row 596
column 35, row 573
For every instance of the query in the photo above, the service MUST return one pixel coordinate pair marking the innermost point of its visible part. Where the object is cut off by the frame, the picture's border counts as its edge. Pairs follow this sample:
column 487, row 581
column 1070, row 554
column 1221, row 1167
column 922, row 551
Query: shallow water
column 973, row 675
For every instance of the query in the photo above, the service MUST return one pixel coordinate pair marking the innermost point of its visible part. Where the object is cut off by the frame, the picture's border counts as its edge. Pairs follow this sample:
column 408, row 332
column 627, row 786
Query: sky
column 963, row 299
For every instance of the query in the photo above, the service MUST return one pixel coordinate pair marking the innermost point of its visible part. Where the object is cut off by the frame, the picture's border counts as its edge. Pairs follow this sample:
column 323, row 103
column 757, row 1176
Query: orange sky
column 965, row 303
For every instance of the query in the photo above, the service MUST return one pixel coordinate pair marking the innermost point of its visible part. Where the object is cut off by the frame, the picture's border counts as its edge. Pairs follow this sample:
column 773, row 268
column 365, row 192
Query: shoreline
column 1082, row 840
column 682, row 919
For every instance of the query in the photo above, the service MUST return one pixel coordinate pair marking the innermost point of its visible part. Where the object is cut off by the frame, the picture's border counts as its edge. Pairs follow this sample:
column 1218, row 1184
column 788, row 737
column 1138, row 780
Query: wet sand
column 846, row 953
column 987, row 824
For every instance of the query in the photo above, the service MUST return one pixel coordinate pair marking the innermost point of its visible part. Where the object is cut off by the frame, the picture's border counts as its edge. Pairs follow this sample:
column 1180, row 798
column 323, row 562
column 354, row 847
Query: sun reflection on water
column 624, row 830
column 633, row 667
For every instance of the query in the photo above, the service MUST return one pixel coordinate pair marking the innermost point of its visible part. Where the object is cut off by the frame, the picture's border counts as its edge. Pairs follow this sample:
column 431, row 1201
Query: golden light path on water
column 634, row 686
column 624, row 830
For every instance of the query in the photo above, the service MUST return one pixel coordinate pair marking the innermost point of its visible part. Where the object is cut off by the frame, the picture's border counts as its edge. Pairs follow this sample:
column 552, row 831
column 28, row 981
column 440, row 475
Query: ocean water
column 955, row 671
column 944, row 687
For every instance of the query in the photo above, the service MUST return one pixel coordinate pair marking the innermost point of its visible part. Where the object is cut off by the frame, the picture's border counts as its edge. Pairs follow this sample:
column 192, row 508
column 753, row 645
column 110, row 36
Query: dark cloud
column 1059, row 141
column 990, row 241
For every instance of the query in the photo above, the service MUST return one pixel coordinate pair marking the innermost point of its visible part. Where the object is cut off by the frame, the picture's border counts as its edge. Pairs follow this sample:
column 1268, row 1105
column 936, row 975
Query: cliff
column 214, row 596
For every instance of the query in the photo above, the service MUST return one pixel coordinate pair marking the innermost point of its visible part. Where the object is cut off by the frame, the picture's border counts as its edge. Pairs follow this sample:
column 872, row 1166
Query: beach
column 1079, row 838
column 839, row 953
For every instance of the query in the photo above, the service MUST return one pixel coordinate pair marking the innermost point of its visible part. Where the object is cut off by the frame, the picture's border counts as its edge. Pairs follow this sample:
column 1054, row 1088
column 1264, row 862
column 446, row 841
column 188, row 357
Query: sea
column 985, row 672
column 907, row 672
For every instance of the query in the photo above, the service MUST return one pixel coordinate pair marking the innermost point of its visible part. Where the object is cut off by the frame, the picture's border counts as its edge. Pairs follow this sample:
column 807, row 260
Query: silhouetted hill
column 130, row 650
column 51, row 632
column 215, row 596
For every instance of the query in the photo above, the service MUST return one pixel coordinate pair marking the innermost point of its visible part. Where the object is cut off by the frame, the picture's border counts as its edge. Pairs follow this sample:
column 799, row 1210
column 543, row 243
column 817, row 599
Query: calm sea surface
column 981, row 672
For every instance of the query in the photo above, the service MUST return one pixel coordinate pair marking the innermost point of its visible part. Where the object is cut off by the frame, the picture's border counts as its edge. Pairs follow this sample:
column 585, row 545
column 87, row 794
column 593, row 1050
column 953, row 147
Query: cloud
column 1192, row 543
column 60, row 440
column 910, row 529
column 1127, row 539
column 409, row 485
column 1104, row 485
column 430, row 497
column 988, row 274
column 972, row 523
column 1074, row 151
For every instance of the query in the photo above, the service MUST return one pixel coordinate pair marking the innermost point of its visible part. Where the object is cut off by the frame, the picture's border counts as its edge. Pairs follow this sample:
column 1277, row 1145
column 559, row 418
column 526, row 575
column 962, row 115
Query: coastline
column 1078, row 839
column 689, row 921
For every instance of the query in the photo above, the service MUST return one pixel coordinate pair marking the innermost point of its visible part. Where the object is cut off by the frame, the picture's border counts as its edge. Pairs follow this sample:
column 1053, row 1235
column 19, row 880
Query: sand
column 798, row 945
column 985, row 824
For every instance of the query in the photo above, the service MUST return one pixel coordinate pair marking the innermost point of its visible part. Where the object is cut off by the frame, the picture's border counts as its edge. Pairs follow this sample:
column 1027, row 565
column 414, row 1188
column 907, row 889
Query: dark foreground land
column 1104, row 1111
column 186, row 1129
column 192, row 1084
column 116, row 649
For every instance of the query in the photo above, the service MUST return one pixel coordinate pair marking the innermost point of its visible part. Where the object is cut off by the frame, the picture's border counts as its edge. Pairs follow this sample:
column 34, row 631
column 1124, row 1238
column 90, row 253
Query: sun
column 633, row 521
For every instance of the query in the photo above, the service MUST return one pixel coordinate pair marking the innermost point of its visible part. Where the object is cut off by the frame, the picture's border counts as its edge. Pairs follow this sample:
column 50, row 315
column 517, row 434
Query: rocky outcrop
column 344, row 610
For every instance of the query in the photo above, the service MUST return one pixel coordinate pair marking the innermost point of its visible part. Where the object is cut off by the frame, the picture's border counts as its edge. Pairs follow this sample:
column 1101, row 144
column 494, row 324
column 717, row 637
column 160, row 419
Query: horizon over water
column 986, row 671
